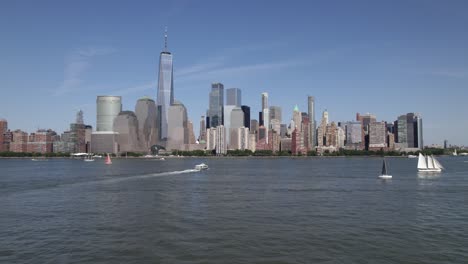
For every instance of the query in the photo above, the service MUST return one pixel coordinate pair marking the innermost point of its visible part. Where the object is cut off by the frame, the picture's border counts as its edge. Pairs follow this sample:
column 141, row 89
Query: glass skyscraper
column 233, row 97
column 165, row 90
column 215, row 112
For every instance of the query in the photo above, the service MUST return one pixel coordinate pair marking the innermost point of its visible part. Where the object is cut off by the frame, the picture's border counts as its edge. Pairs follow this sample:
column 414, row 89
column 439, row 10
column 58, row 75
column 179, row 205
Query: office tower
column 126, row 127
column 414, row 130
column 275, row 113
column 211, row 138
column 377, row 135
column 365, row 120
column 221, row 148
column 40, row 141
column 146, row 113
column 3, row 130
column 246, row 110
column 264, row 100
column 88, row 132
column 236, row 121
column 227, row 121
column 260, row 118
column 419, row 132
column 311, row 114
column 331, row 135
column 305, row 132
column 177, row 130
column 390, row 141
column 233, row 97
column 402, row 135
column 297, row 118
column 202, row 134
column 243, row 138
column 253, row 126
column 215, row 112
column 297, row 146
column 78, row 133
column 354, row 135
column 191, row 134
column 341, row 137
column 266, row 122
column 261, row 133
column 165, row 97
column 107, row 108
column 265, row 114
column 283, row 130
column 275, row 125
column 445, row 144
column 274, row 140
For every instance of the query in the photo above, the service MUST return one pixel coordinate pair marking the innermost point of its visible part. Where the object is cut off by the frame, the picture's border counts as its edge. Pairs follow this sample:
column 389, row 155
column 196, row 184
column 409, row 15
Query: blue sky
column 383, row 57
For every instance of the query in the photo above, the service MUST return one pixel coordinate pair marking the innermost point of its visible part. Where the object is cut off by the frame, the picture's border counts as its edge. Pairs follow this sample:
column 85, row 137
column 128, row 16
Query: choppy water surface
column 317, row 210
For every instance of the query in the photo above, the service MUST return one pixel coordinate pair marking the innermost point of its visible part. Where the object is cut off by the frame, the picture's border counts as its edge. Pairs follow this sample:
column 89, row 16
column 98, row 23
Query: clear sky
column 383, row 57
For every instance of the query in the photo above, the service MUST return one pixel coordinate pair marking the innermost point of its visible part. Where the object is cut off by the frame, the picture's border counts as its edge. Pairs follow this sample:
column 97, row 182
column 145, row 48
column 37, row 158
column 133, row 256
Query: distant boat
column 464, row 154
column 201, row 166
column 384, row 174
column 88, row 158
column 162, row 159
column 428, row 164
column 412, row 156
column 455, row 153
column 108, row 159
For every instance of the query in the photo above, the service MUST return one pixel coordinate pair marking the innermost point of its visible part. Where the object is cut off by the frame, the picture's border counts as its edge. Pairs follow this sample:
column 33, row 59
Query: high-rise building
column 283, row 130
column 165, row 97
column 227, row 121
column 215, row 112
column 221, row 148
column 191, row 134
column 275, row 113
column 354, row 135
column 377, row 135
column 177, row 130
column 19, row 141
column 297, row 118
column 233, row 97
column 127, row 137
column 3, row 130
column 253, row 126
column 402, row 132
column 246, row 110
column 107, row 109
column 365, row 120
column 311, row 113
column 202, row 134
column 211, row 139
column 264, row 100
column 146, row 113
column 419, row 142
column 414, row 130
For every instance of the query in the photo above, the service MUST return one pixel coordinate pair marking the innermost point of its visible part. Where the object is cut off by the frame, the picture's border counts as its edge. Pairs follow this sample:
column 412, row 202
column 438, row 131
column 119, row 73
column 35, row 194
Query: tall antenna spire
column 165, row 39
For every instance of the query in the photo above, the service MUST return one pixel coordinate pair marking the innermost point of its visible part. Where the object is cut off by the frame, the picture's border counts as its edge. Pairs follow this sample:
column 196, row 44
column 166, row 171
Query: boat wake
column 146, row 176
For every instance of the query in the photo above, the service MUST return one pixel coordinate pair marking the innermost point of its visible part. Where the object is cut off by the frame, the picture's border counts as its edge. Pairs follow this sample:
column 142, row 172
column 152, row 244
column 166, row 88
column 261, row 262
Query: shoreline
column 221, row 157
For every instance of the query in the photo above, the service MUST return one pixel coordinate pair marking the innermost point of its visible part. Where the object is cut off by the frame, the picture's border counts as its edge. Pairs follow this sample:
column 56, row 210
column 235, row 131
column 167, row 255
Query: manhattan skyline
column 365, row 57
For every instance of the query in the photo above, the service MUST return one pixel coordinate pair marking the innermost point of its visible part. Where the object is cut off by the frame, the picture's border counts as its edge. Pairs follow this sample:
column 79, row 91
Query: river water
column 241, row 210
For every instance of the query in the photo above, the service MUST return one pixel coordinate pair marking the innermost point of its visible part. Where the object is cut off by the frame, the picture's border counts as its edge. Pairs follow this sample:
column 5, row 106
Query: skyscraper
column 266, row 114
column 202, row 134
column 233, row 97
column 402, row 135
column 107, row 108
column 275, row 113
column 3, row 130
column 178, row 129
column 264, row 100
column 165, row 96
column 215, row 112
column 246, row 110
column 145, row 111
column 311, row 113
column 126, row 125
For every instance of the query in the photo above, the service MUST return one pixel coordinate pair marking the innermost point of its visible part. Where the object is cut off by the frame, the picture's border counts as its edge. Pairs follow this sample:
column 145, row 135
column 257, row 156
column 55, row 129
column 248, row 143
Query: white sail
column 430, row 163
column 422, row 162
column 437, row 164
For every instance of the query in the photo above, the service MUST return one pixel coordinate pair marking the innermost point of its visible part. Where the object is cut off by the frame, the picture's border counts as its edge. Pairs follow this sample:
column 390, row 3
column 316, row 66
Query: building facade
column 165, row 96
column 216, row 107
column 107, row 109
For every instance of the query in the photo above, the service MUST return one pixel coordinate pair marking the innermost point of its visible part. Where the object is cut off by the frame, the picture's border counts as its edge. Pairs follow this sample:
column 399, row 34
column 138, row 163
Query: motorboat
column 384, row 175
column 412, row 156
column 201, row 166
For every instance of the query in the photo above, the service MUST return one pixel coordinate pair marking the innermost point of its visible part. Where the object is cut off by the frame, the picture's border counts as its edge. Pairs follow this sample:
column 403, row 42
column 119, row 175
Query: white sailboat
column 384, row 174
column 455, row 153
column 428, row 164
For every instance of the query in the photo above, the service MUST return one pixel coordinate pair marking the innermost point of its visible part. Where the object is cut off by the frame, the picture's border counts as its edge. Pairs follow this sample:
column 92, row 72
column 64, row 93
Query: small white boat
column 162, row 159
column 88, row 158
column 384, row 174
column 428, row 164
column 201, row 166
column 412, row 156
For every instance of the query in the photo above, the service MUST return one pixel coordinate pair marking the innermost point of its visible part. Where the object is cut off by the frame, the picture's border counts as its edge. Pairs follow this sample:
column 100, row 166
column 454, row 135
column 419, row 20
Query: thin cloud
column 136, row 88
column 76, row 65
column 459, row 73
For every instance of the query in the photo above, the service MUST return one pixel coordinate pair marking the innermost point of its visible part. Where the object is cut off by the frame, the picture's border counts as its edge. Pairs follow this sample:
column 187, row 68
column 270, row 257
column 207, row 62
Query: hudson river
column 256, row 210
